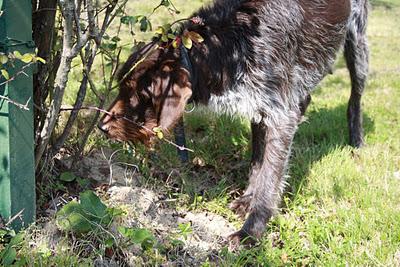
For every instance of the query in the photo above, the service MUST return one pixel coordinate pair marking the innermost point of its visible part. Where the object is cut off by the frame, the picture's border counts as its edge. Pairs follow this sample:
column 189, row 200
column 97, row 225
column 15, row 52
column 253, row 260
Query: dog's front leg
column 242, row 204
column 272, row 140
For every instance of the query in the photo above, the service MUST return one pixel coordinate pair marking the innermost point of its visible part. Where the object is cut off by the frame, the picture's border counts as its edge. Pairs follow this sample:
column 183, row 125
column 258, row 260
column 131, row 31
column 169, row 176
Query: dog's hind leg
column 273, row 138
column 356, row 54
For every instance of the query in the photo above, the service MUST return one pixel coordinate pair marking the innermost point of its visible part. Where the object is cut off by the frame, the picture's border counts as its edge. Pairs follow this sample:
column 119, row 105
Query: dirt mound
column 147, row 209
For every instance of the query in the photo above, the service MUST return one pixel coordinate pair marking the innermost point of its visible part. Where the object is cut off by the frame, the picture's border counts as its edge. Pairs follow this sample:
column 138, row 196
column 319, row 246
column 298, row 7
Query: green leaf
column 26, row 58
column 3, row 58
column 164, row 38
column 185, row 229
column 5, row 74
column 84, row 183
column 84, row 216
column 145, row 24
column 129, row 19
column 111, row 46
column 109, row 242
column 67, row 177
column 177, row 243
column 165, row 3
column 92, row 204
column 147, row 243
column 171, row 36
column 3, row 233
column 136, row 235
column 114, row 212
column 41, row 60
column 176, row 42
column 9, row 256
column 187, row 42
column 157, row 129
column 17, row 240
column 72, row 218
column 140, row 235
column 195, row 37
column 160, row 30
column 124, row 231
column 160, row 135
column 115, row 39
column 166, row 27
column 17, row 54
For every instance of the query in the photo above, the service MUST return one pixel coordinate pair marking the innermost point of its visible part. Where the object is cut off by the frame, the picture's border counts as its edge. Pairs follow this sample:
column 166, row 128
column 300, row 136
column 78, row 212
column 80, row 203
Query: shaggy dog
column 259, row 59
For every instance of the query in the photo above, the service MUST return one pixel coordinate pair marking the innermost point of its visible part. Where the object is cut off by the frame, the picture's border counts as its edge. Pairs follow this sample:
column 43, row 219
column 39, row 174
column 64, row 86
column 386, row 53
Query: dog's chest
column 239, row 100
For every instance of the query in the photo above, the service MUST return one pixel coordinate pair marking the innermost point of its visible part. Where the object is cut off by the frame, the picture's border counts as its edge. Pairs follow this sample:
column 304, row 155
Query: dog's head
column 154, row 89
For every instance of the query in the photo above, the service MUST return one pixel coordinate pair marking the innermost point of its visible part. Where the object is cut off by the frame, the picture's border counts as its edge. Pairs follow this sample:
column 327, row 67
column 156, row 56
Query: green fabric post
column 17, row 173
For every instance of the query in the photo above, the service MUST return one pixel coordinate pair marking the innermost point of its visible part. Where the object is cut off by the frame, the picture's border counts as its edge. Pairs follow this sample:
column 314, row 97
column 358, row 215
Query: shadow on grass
column 324, row 131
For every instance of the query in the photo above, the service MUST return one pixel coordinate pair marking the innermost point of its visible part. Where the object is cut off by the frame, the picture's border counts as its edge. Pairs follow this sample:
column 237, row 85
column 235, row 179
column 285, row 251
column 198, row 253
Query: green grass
column 341, row 206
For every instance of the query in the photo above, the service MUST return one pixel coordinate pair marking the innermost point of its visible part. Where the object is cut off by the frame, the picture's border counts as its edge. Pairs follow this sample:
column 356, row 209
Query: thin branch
column 182, row 148
column 21, row 71
column 18, row 215
column 21, row 106
column 44, row 9
column 115, row 13
column 87, row 70
column 93, row 26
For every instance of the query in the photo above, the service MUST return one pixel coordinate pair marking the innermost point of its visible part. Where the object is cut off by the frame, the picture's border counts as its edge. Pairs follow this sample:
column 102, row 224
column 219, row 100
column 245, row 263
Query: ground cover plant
column 341, row 206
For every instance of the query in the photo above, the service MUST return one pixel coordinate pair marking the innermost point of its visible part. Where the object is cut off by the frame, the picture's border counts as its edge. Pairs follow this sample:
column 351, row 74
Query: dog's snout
column 103, row 127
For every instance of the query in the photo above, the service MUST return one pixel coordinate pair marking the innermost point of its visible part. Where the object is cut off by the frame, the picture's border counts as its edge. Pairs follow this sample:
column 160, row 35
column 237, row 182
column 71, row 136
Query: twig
column 18, row 215
column 109, row 162
column 21, row 71
column 151, row 49
column 182, row 148
column 21, row 106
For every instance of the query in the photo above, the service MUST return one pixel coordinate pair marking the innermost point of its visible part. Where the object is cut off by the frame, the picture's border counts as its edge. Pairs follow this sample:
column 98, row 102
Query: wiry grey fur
column 260, row 59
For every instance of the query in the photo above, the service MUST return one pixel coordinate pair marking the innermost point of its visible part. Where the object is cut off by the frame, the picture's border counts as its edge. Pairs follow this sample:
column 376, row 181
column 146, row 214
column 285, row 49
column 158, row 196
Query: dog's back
column 279, row 49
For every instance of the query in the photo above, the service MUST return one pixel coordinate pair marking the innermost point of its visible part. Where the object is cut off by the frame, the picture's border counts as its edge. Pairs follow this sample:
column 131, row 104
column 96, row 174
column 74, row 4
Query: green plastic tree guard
column 17, row 173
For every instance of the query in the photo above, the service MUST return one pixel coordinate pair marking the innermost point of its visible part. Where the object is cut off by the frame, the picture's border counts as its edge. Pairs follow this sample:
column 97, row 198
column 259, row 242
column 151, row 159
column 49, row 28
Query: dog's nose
column 102, row 127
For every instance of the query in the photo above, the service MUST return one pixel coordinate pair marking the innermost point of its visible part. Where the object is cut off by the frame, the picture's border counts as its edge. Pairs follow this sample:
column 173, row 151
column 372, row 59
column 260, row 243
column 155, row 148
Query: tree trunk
column 44, row 15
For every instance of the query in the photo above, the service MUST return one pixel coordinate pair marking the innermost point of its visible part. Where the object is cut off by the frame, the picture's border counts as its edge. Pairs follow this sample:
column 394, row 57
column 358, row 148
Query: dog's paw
column 241, row 206
column 240, row 239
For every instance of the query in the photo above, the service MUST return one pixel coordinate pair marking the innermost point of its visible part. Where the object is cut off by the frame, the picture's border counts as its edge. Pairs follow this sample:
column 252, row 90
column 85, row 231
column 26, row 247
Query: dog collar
column 187, row 64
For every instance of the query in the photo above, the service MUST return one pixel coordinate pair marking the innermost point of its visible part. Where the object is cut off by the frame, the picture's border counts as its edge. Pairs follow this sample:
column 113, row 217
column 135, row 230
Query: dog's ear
column 172, row 91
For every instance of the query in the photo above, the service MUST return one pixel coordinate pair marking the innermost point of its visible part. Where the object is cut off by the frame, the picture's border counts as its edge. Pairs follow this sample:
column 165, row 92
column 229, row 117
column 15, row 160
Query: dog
column 260, row 59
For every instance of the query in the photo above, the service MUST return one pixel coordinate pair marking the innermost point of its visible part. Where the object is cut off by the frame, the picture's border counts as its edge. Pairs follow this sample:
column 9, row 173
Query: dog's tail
column 356, row 54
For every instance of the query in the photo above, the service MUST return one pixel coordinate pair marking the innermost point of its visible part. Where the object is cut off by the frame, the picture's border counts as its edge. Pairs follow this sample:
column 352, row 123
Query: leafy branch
column 29, row 59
